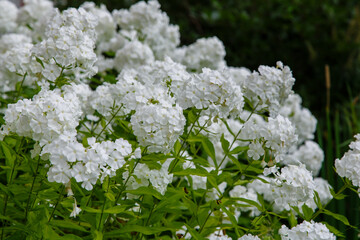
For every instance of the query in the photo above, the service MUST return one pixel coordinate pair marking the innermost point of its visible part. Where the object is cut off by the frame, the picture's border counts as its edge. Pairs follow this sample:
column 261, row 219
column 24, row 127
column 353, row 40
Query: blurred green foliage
column 304, row 34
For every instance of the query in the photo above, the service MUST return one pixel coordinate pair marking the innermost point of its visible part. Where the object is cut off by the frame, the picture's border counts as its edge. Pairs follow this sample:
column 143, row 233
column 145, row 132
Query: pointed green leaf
column 144, row 191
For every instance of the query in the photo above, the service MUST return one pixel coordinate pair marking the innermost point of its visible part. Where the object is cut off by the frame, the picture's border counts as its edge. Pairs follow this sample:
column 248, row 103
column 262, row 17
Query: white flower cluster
column 214, row 91
column 349, row 165
column 152, row 26
column 44, row 118
column 143, row 176
column 51, row 118
column 219, row 235
column 269, row 87
column 204, row 53
column 158, row 126
column 70, row 159
column 310, row 154
column 106, row 27
column 70, row 40
column 8, row 16
column 307, row 230
column 249, row 237
column 293, row 186
column 303, row 120
column 15, row 61
column 277, row 135
column 33, row 18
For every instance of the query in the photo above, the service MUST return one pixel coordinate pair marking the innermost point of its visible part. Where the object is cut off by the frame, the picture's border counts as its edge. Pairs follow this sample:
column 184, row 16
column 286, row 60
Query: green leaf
column 258, row 220
column 110, row 196
column 68, row 225
column 193, row 115
column 224, row 144
column 10, row 159
column 339, row 217
column 170, row 200
column 97, row 235
column 236, row 162
column 292, row 219
column 308, row 212
column 145, row 191
column 192, row 171
column 231, row 217
column 177, row 147
column 239, row 149
column 71, row 237
column 317, row 200
column 115, row 210
column 49, row 233
column 334, row 230
column 209, row 148
column 40, row 61
column 251, row 202
column 194, row 233
column 139, row 229
column 337, row 196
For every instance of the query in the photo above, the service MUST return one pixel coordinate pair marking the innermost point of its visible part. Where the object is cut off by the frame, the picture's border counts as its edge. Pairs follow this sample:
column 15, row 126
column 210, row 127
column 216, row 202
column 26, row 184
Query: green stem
column 31, row 189
column 207, row 218
column 235, row 138
column 112, row 117
column 127, row 179
column 103, row 206
column 57, row 202
column 318, row 212
column 147, row 220
column 21, row 84
column 180, row 154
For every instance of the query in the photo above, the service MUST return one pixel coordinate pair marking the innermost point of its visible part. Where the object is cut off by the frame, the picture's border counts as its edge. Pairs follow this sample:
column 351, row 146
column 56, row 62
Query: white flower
column 269, row 87
column 302, row 119
column 76, row 210
column 249, row 237
column 309, row 154
column 205, row 53
column 349, row 165
column 8, row 15
column 306, row 230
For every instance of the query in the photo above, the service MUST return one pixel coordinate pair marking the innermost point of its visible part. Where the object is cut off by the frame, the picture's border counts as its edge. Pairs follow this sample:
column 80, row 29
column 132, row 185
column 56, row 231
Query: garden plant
column 111, row 130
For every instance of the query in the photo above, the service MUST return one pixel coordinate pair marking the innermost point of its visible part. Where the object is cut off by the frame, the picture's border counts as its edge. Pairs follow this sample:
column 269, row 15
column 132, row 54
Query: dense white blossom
column 152, row 26
column 307, row 230
column 349, row 165
column 44, row 118
column 68, row 45
column 158, row 127
column 8, row 16
column 309, row 154
column 300, row 117
column 277, row 135
column 204, row 53
column 143, row 176
column 106, row 27
column 33, row 18
column 269, row 87
column 249, row 237
column 214, row 91
column 219, row 235
column 293, row 186
column 133, row 55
